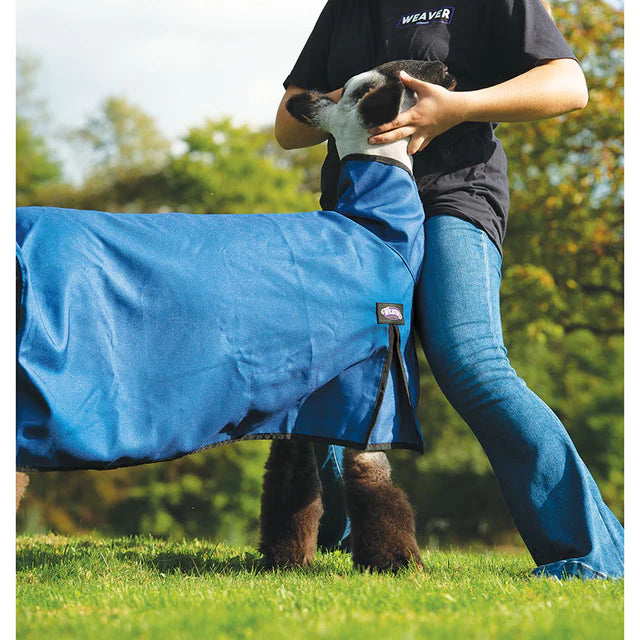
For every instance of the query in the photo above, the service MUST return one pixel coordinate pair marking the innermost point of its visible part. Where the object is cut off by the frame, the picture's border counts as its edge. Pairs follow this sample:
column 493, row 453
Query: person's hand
column 436, row 111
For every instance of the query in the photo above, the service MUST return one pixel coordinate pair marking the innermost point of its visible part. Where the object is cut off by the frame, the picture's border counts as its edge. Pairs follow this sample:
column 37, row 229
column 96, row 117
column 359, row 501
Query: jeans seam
column 485, row 256
column 561, row 564
column 337, row 465
column 599, row 506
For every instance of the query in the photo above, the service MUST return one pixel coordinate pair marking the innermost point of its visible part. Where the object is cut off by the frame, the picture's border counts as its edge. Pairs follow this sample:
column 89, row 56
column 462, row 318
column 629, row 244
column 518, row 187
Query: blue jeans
column 335, row 526
column 549, row 492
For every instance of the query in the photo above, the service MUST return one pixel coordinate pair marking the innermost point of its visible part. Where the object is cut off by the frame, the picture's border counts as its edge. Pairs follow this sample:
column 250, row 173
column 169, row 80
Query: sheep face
column 368, row 100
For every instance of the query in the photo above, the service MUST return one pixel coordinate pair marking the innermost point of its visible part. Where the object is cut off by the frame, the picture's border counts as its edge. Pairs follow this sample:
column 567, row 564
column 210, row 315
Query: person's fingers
column 420, row 144
column 402, row 120
column 392, row 136
column 413, row 83
column 417, row 143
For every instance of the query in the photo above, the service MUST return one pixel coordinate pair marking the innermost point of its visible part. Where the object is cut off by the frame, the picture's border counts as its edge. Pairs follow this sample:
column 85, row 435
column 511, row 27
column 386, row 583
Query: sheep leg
column 383, row 528
column 291, row 505
column 22, row 480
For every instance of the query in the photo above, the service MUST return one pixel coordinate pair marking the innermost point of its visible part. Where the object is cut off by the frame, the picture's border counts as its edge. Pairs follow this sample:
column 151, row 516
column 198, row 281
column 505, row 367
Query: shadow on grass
column 194, row 563
column 163, row 556
column 67, row 556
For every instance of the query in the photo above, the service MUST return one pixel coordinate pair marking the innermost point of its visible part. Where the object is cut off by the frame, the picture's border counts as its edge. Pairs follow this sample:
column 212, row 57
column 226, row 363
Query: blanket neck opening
column 381, row 195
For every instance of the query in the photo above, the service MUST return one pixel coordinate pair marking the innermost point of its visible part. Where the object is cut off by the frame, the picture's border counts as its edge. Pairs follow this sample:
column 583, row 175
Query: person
column 511, row 64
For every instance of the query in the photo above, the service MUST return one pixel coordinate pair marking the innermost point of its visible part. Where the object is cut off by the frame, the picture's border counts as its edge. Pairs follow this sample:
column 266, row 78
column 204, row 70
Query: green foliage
column 35, row 163
column 121, row 139
column 228, row 169
column 214, row 493
column 147, row 588
column 125, row 154
column 565, row 239
column 223, row 168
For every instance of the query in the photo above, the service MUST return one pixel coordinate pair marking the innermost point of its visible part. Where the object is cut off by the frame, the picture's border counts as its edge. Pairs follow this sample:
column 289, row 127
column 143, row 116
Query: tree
column 223, row 169
column 234, row 169
column 121, row 139
column 564, row 256
column 211, row 494
column 35, row 164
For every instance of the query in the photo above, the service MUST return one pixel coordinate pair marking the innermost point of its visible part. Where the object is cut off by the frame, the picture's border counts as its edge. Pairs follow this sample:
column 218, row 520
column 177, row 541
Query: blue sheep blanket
column 145, row 337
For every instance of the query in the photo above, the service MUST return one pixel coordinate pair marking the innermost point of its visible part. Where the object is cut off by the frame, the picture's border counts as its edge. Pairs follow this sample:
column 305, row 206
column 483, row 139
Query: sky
column 181, row 62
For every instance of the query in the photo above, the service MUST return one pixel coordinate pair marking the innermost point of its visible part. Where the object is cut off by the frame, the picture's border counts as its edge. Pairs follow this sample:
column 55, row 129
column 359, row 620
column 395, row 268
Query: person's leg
column 334, row 525
column 549, row 492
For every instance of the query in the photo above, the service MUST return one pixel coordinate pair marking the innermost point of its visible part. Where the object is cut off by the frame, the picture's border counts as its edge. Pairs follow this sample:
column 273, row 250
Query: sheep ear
column 311, row 108
column 382, row 104
column 427, row 71
column 431, row 71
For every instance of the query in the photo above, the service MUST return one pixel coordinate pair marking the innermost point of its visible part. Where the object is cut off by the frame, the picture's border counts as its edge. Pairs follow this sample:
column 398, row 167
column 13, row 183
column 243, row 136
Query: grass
column 89, row 587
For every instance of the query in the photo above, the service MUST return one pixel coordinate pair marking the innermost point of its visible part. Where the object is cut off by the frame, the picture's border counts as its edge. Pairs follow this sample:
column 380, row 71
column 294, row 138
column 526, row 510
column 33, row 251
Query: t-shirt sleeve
column 524, row 36
column 310, row 70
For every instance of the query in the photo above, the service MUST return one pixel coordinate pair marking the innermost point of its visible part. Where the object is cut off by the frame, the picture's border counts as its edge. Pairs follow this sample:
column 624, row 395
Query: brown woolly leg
column 291, row 505
column 22, row 480
column 383, row 531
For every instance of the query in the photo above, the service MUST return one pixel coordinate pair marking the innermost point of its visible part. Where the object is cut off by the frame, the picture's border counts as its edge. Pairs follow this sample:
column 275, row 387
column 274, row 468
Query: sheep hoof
column 388, row 560
column 286, row 560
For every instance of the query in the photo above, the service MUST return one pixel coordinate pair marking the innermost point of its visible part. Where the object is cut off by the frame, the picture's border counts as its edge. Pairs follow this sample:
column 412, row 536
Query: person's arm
column 293, row 134
column 550, row 89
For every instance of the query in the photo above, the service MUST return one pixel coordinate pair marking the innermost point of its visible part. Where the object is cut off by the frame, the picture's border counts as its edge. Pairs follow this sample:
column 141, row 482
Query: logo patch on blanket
column 389, row 313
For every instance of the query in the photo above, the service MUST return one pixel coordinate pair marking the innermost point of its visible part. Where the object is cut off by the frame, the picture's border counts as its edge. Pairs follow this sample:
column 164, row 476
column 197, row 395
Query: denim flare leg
column 549, row 492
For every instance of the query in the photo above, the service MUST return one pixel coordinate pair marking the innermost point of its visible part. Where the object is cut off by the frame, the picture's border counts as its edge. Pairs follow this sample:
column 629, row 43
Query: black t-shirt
column 462, row 172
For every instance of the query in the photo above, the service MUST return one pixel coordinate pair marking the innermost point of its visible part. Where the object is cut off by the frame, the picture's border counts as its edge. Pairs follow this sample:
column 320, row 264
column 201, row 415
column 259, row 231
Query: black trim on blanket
column 404, row 379
column 399, row 354
column 373, row 158
column 382, row 446
column 384, row 377
column 393, row 350
column 21, row 296
column 18, row 294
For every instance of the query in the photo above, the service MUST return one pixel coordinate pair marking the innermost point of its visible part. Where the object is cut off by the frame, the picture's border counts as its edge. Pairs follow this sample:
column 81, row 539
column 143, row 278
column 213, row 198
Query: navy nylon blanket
column 145, row 337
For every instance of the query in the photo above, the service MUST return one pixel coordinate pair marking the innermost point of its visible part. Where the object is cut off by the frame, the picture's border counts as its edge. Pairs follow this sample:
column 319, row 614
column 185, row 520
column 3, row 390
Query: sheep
column 69, row 417
column 382, row 520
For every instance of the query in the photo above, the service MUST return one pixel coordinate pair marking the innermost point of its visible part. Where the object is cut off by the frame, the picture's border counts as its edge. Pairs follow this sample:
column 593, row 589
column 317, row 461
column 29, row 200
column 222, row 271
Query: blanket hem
column 382, row 446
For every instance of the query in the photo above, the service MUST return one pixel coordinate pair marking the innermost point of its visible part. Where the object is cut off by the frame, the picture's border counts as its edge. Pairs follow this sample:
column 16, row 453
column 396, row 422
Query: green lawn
column 88, row 587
